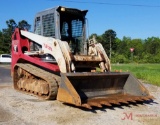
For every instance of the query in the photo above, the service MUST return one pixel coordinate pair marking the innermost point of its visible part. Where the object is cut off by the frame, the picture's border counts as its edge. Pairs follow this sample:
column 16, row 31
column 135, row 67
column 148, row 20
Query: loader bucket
column 97, row 89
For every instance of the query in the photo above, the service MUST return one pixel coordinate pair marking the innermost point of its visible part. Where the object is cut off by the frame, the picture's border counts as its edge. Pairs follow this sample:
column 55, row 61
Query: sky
column 130, row 18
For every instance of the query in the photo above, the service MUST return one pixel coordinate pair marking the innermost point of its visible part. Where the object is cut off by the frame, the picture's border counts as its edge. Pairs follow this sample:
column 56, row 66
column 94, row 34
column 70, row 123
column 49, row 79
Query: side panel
column 45, row 23
column 19, row 45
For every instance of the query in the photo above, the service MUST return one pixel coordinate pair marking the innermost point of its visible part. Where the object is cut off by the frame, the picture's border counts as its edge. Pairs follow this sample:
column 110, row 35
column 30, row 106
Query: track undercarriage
column 33, row 80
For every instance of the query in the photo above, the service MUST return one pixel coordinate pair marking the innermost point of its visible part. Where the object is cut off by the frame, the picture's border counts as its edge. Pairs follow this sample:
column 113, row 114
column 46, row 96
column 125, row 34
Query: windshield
column 72, row 28
column 72, row 32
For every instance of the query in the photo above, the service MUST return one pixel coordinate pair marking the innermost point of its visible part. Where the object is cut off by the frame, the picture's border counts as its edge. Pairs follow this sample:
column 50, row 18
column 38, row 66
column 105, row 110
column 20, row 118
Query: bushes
column 150, row 58
column 146, row 58
column 119, row 59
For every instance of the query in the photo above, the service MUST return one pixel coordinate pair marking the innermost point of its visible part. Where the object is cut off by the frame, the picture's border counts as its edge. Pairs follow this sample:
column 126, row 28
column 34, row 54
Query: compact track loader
column 57, row 62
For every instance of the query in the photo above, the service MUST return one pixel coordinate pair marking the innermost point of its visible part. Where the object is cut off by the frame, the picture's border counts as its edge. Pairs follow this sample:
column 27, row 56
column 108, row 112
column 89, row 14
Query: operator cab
column 66, row 24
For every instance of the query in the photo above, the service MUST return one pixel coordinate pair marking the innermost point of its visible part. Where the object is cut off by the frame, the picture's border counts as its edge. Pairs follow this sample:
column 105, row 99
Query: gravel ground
column 20, row 109
column 17, row 108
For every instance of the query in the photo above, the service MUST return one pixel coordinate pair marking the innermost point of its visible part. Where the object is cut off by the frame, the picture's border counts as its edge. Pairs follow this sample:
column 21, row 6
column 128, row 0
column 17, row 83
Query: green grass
column 147, row 72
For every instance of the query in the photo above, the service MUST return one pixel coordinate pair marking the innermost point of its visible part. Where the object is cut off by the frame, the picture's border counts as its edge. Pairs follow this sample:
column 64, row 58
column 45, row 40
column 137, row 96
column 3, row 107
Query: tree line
column 118, row 50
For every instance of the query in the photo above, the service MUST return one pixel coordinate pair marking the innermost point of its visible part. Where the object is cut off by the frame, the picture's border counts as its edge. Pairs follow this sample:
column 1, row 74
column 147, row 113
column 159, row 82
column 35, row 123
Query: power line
column 107, row 3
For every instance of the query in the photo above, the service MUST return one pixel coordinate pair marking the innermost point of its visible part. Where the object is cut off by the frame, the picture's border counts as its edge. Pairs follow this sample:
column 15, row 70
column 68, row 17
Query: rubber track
column 51, row 79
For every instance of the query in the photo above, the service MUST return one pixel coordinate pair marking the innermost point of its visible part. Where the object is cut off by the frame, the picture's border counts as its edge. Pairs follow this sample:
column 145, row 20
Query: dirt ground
column 20, row 109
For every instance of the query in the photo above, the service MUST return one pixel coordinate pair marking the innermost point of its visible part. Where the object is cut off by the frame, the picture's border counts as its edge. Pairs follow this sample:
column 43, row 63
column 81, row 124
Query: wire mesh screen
column 48, row 25
column 38, row 26
column 77, row 33
column 77, row 28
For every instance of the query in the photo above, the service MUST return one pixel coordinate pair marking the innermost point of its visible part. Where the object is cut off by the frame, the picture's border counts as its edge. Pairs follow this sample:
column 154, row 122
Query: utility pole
column 110, row 47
